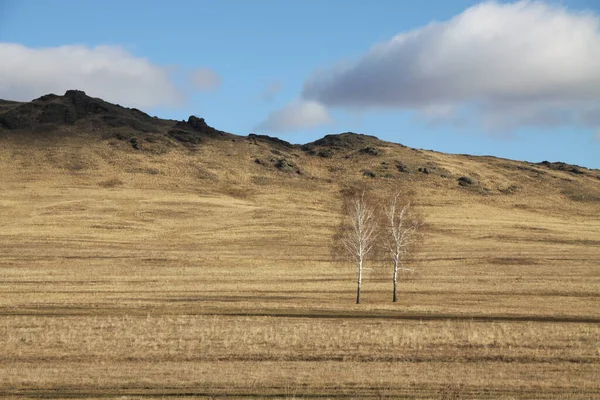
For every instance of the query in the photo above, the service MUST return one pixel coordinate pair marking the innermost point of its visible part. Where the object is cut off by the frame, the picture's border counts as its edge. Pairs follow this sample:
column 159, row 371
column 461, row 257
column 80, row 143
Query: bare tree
column 401, row 228
column 359, row 234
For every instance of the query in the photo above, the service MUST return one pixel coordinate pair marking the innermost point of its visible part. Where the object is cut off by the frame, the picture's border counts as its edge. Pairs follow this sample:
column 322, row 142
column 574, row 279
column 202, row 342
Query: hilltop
column 97, row 131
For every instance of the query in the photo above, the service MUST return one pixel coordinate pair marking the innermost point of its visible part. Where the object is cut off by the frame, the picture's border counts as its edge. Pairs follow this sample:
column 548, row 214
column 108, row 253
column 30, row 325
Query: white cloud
column 528, row 63
column 205, row 79
column 296, row 115
column 108, row 72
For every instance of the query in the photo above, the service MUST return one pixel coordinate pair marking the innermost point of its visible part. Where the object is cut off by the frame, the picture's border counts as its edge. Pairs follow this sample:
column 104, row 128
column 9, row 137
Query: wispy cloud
column 109, row 72
column 270, row 91
column 296, row 115
column 205, row 79
column 505, row 66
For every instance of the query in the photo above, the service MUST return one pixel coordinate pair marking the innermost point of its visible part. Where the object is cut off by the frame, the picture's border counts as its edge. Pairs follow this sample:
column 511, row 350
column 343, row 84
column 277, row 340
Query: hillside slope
column 82, row 174
column 93, row 133
column 190, row 261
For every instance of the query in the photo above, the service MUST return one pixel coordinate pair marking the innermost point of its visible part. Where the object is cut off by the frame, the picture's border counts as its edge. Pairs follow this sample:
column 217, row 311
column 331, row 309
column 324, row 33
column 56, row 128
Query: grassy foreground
column 169, row 283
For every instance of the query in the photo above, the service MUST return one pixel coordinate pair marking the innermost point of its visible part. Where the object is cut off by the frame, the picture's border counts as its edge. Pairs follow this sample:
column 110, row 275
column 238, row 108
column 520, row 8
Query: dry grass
column 211, row 276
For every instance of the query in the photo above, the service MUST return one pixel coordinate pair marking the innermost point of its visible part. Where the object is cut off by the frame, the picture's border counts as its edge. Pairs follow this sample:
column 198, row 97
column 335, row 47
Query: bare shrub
column 110, row 183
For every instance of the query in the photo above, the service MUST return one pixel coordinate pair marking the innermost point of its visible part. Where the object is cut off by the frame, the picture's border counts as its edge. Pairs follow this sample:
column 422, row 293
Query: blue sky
column 519, row 80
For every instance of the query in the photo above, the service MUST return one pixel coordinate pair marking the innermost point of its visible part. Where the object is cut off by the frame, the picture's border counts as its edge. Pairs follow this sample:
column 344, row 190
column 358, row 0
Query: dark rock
column 254, row 138
column 134, row 143
column 185, row 136
column 424, row 170
column 373, row 151
column 402, row 167
column 466, row 181
column 561, row 166
column 75, row 105
column 197, row 123
column 48, row 97
column 57, row 113
column 195, row 126
column 286, row 166
column 348, row 140
column 575, row 170
column 369, row 173
column 12, row 120
column 311, row 151
column 84, row 105
column 260, row 161
column 75, row 94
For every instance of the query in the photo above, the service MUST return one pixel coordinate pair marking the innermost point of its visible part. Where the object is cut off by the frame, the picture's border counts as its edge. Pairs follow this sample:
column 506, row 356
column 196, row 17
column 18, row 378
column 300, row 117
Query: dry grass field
column 200, row 273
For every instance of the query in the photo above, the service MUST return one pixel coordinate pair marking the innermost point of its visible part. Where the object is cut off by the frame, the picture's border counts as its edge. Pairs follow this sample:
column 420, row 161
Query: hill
column 105, row 130
column 153, row 258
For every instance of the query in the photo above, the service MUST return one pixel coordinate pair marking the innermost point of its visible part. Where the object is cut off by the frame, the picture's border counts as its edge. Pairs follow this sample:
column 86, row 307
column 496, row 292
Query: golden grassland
column 202, row 274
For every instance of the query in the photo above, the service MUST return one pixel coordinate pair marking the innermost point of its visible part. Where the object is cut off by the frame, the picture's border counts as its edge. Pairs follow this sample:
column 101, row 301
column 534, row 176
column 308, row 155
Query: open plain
column 159, row 269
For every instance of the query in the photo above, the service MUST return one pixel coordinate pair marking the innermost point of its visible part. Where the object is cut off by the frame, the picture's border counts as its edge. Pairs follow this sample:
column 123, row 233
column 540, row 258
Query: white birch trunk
column 360, row 267
column 395, row 280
